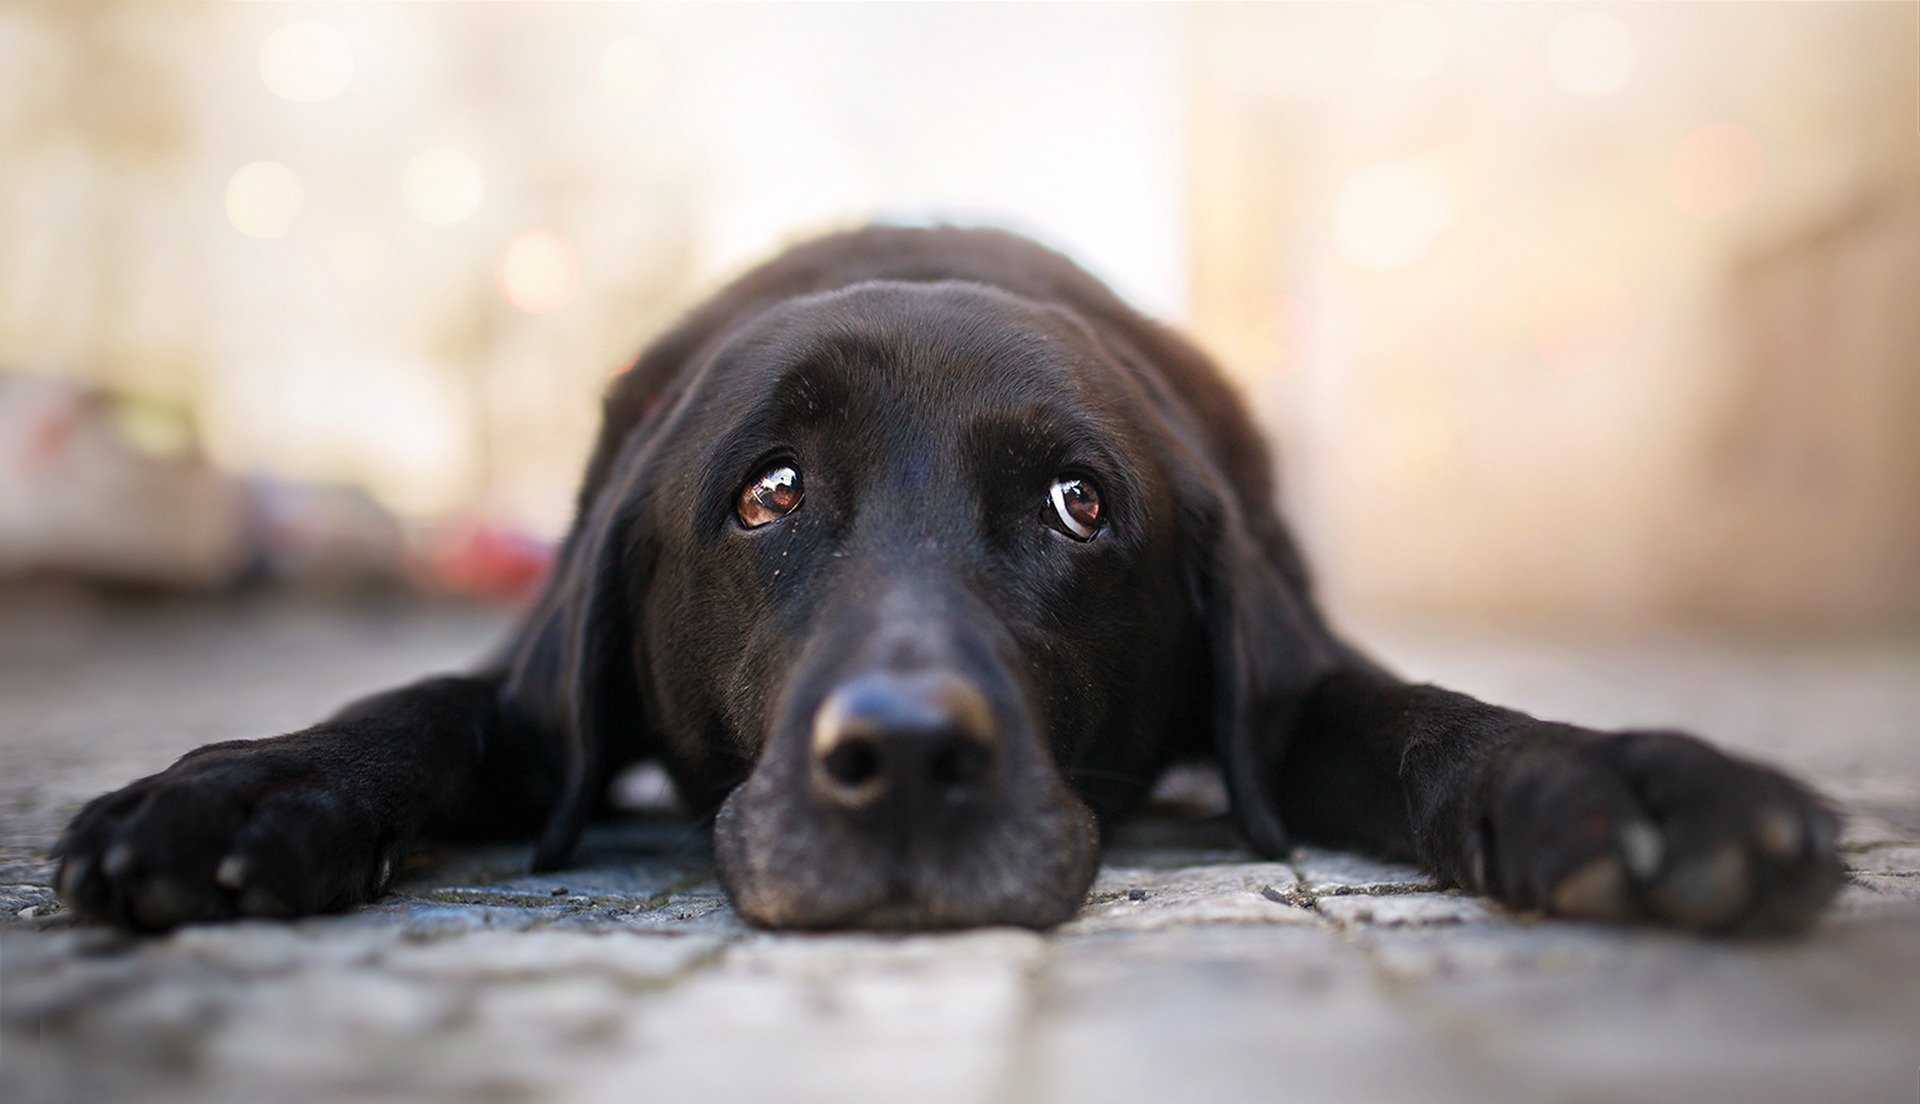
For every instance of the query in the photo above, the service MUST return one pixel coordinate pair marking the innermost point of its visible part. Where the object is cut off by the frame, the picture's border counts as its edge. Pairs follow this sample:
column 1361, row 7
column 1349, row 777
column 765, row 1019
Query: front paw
column 1655, row 826
column 251, row 828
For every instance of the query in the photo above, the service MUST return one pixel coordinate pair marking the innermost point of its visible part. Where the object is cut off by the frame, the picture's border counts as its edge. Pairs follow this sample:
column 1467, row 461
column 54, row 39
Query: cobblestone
column 1193, row 972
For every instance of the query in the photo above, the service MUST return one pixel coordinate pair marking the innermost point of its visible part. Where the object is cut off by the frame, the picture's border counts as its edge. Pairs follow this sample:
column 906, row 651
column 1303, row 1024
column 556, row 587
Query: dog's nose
column 919, row 743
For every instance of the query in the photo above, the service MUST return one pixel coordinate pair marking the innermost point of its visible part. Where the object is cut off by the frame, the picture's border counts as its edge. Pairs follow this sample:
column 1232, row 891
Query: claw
column 1597, row 891
column 1779, row 834
column 117, row 861
column 1707, row 891
column 71, row 874
column 1642, row 847
column 231, row 873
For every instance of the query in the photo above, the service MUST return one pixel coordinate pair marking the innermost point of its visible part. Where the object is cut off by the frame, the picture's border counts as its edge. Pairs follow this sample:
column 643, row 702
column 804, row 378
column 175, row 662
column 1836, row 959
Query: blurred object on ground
column 101, row 489
column 334, row 537
column 478, row 557
column 84, row 494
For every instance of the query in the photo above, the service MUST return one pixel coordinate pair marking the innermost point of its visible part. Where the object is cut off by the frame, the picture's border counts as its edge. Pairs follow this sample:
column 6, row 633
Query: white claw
column 1597, row 891
column 1778, row 833
column 117, row 861
column 231, row 873
column 1477, row 869
column 1642, row 847
column 386, row 874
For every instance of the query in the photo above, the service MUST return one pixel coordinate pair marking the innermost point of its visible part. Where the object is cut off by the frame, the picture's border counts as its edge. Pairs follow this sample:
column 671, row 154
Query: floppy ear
column 1265, row 650
column 596, row 676
column 572, row 670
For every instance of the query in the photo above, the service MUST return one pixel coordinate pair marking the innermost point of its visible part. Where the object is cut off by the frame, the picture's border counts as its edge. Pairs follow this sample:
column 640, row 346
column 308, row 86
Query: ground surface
column 1193, row 974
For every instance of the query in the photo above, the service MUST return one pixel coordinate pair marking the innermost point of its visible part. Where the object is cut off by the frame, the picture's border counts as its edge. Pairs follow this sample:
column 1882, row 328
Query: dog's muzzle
column 908, row 807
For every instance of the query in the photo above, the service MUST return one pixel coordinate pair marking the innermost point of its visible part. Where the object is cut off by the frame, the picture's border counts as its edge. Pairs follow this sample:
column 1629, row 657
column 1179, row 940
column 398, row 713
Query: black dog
column 915, row 556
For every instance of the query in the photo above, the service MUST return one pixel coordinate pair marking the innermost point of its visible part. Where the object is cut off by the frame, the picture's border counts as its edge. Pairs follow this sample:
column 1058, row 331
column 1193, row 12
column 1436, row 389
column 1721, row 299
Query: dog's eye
column 1076, row 503
column 772, row 495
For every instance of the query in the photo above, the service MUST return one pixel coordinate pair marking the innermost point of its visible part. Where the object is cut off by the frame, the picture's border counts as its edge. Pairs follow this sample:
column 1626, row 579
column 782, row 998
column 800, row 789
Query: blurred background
column 1583, row 314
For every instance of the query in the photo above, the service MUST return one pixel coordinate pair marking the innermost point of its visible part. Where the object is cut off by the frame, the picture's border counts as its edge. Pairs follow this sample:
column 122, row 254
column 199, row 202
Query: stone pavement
column 1192, row 975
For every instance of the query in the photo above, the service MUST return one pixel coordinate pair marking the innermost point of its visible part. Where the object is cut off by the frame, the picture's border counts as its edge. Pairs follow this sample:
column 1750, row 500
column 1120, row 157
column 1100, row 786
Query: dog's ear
column 596, row 674
column 573, row 670
column 1265, row 649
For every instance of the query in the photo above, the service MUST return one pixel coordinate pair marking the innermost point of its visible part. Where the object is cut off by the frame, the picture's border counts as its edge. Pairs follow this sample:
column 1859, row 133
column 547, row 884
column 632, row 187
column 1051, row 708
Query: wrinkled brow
column 1054, row 436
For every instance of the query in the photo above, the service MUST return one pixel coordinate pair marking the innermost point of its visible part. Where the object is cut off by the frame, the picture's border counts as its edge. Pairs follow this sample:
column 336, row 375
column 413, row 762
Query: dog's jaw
column 784, row 868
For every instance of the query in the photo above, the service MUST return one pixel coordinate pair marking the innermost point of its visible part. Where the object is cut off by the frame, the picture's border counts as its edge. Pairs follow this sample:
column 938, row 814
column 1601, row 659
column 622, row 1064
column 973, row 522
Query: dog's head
column 920, row 584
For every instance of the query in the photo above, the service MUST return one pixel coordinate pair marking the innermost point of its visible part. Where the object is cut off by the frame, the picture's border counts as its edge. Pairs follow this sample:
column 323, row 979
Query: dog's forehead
column 893, row 380
column 949, row 342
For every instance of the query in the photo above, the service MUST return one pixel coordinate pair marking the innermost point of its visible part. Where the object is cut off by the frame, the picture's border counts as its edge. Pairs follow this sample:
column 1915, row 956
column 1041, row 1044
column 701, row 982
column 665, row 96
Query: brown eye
column 1076, row 503
column 772, row 495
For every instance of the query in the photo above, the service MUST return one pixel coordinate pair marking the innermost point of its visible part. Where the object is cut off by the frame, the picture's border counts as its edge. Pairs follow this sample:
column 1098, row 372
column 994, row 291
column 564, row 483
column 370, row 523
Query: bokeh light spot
column 262, row 199
column 442, row 186
column 1411, row 42
column 538, row 271
column 1388, row 214
column 1715, row 170
column 1590, row 54
column 306, row 62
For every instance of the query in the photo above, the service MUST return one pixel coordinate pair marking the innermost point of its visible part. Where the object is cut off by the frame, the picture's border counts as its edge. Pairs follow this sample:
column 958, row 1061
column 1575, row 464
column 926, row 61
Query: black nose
column 917, row 744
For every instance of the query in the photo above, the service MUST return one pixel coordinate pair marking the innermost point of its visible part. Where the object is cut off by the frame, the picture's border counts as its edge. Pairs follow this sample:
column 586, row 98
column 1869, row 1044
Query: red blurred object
column 482, row 559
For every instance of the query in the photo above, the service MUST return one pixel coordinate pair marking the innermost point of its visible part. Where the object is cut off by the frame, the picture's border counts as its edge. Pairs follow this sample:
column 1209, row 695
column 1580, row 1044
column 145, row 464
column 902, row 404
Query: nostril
column 907, row 742
column 853, row 763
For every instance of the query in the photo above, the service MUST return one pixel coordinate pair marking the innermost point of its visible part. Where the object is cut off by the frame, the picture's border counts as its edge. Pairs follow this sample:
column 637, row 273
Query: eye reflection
column 770, row 496
column 1077, row 506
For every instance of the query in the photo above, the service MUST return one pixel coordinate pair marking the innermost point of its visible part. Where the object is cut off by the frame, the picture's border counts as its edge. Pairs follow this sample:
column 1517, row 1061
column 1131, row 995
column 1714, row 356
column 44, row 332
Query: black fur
column 930, row 384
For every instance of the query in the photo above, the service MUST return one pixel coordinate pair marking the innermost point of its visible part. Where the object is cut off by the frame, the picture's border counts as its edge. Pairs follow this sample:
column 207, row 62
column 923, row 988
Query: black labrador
column 915, row 557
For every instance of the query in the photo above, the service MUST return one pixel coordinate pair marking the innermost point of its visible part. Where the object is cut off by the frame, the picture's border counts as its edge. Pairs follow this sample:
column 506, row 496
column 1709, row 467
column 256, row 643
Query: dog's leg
column 308, row 822
column 1622, row 825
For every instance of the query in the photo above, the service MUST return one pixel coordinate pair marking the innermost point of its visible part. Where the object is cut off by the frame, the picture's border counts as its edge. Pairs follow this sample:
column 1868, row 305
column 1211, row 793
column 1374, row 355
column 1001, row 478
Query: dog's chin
column 785, row 868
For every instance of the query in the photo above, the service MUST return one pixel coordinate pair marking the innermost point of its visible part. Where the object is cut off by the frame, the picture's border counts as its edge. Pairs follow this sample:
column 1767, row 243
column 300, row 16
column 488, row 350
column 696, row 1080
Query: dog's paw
column 242, row 829
column 1659, row 827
